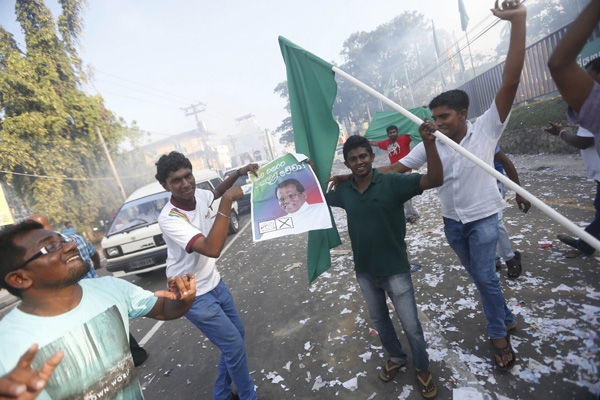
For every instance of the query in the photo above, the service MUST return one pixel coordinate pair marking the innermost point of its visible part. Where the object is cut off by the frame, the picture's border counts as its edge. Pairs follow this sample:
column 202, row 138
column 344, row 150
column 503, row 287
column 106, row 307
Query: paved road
column 318, row 342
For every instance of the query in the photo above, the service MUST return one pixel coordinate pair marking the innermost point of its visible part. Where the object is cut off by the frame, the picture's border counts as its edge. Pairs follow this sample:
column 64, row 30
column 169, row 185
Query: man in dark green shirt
column 377, row 226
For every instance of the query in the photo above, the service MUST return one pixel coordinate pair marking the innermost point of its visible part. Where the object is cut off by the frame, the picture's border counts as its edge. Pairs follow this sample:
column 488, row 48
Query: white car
column 133, row 244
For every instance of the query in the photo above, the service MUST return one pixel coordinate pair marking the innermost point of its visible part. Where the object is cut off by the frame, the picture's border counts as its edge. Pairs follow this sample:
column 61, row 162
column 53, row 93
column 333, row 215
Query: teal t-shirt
column 94, row 336
column 376, row 222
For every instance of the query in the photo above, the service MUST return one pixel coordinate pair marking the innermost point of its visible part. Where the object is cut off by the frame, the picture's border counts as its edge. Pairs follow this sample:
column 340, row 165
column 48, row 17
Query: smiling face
column 181, row 184
column 450, row 122
column 290, row 199
column 58, row 268
column 360, row 162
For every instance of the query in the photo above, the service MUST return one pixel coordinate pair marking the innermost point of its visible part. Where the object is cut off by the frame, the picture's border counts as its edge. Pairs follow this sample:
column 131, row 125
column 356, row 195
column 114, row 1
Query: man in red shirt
column 397, row 148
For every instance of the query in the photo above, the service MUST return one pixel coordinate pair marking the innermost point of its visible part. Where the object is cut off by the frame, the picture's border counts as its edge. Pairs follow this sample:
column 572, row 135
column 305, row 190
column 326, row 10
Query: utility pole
column 110, row 162
column 194, row 110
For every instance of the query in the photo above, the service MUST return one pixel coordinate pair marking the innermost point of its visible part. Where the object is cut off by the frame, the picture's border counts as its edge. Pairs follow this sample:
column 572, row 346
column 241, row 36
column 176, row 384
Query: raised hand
column 25, row 383
column 426, row 130
column 181, row 287
column 510, row 10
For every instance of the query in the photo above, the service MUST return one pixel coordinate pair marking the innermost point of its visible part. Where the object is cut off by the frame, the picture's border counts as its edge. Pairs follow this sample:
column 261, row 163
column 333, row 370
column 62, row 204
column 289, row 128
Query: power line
column 63, row 178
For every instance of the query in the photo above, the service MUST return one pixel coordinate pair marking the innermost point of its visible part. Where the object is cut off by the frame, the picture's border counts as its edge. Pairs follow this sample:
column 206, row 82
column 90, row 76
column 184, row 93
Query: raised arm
column 230, row 180
column 572, row 81
column 435, row 171
column 514, row 12
column 574, row 140
column 212, row 244
column 511, row 172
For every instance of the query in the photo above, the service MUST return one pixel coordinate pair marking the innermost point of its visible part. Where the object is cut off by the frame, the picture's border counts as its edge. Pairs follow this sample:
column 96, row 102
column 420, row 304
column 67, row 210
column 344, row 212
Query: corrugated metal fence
column 536, row 81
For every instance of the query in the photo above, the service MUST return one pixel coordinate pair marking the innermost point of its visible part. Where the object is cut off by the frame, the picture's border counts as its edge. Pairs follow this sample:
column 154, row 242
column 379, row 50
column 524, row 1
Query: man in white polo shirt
column 194, row 242
column 469, row 196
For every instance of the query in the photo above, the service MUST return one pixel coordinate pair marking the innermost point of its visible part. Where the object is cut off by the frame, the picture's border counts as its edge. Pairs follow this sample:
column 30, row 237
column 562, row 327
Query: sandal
column 428, row 388
column 503, row 351
column 514, row 266
column 388, row 373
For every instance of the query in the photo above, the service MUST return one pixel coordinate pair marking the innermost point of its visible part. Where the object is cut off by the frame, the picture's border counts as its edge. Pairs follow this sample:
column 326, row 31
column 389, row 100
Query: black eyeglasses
column 49, row 248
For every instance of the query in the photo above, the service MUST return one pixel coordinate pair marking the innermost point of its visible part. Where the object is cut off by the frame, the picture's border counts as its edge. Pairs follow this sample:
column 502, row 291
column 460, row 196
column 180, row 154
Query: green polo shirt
column 376, row 222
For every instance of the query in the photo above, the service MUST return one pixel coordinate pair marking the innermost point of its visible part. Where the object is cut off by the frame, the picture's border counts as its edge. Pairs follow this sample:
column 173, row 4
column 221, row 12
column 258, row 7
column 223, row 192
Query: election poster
column 287, row 199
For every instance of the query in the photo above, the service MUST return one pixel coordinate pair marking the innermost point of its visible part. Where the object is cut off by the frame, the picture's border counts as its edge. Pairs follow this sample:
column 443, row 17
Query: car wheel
column 234, row 222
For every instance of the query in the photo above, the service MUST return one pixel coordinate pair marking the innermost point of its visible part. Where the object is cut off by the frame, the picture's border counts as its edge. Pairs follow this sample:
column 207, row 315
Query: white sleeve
column 416, row 158
column 175, row 225
column 489, row 123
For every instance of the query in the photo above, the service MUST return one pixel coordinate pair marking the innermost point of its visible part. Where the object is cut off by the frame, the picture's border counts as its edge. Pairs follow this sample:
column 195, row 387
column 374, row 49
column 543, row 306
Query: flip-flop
column 388, row 373
column 424, row 385
column 502, row 351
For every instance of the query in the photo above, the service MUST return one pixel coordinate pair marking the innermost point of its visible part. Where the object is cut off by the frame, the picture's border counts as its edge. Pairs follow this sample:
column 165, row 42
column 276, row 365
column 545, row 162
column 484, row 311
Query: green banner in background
column 383, row 119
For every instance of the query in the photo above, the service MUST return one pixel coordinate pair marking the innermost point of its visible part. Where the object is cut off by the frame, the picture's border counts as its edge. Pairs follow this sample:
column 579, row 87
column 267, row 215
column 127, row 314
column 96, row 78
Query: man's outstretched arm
column 572, row 81
column 516, row 14
column 580, row 142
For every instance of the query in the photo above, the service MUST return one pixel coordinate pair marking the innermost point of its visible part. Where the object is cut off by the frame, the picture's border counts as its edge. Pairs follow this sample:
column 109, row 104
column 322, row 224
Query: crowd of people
column 69, row 336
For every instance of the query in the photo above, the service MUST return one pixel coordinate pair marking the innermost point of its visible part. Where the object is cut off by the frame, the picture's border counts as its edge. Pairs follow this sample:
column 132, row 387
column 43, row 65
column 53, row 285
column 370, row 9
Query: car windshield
column 138, row 212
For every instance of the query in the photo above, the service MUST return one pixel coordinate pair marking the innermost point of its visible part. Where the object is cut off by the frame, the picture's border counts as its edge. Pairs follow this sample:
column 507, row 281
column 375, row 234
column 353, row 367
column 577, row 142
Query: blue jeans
column 400, row 290
column 214, row 313
column 593, row 228
column 475, row 245
column 503, row 247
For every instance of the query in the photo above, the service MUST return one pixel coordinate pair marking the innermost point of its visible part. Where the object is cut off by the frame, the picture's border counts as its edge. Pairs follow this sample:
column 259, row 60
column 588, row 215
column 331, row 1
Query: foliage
column 285, row 129
column 543, row 18
column 48, row 125
column 538, row 113
column 382, row 59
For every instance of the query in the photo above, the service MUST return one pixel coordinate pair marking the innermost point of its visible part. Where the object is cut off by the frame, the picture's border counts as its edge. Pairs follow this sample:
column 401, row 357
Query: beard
column 74, row 275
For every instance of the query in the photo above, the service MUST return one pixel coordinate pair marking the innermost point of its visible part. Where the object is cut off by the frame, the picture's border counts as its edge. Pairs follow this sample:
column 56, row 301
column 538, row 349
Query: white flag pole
column 589, row 239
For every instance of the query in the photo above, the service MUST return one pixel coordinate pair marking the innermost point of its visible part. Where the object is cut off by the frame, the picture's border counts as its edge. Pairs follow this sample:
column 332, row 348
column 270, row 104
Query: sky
column 151, row 58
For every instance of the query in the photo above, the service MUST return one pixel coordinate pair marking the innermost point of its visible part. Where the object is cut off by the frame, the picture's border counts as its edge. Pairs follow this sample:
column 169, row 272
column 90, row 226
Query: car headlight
column 113, row 252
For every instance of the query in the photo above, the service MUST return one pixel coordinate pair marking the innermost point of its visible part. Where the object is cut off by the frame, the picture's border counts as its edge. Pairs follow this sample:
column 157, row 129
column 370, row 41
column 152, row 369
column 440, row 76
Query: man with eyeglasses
column 68, row 337
column 92, row 258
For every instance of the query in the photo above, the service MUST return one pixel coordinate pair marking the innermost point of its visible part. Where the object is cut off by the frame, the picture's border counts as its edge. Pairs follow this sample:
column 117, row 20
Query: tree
column 543, row 18
column 378, row 58
column 47, row 124
column 285, row 129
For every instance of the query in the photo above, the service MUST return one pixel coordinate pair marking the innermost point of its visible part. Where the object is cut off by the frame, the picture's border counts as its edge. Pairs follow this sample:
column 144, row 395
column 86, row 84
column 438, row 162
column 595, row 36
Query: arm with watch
column 574, row 140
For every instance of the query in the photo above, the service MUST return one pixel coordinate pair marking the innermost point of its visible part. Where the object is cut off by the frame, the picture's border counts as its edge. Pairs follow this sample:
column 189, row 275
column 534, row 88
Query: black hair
column 456, row 99
column 11, row 254
column 391, row 128
column 171, row 162
column 354, row 142
column 594, row 64
column 288, row 182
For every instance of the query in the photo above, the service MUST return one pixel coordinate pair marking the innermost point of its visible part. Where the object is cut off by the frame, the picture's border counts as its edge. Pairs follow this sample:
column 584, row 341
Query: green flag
column 383, row 119
column 312, row 90
column 464, row 18
column 435, row 42
column 460, row 59
column 437, row 53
